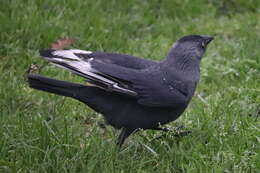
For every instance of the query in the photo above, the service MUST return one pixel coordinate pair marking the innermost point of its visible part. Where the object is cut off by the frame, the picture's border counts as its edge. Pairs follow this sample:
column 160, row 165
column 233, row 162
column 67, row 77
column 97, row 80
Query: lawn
column 41, row 132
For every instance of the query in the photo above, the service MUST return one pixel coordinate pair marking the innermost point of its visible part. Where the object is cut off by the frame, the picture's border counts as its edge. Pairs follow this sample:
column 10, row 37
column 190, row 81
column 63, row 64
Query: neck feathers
column 183, row 62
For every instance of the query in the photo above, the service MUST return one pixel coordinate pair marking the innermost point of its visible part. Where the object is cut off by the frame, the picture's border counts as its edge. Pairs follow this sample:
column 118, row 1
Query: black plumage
column 132, row 93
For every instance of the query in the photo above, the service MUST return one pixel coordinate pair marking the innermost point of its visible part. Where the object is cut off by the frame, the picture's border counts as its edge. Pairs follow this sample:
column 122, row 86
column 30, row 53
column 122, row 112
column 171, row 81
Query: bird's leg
column 123, row 135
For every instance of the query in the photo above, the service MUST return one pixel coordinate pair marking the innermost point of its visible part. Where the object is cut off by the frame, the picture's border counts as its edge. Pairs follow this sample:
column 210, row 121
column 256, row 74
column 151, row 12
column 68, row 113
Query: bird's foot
column 181, row 133
column 177, row 132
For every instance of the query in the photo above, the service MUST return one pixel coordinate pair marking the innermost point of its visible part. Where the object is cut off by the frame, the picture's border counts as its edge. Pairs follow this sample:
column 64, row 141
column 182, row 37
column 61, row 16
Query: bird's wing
column 158, row 93
column 73, row 61
column 120, row 59
column 108, row 58
column 147, row 85
column 151, row 86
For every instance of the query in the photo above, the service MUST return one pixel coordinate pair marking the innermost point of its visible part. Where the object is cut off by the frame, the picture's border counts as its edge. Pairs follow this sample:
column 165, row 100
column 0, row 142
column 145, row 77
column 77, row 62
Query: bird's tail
column 54, row 86
column 94, row 97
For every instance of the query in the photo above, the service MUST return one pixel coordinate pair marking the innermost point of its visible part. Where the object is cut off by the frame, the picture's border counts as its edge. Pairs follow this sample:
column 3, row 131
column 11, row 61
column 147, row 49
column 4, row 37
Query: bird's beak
column 208, row 39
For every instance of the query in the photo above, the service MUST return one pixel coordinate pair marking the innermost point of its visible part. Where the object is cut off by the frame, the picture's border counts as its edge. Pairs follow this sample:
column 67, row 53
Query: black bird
column 132, row 93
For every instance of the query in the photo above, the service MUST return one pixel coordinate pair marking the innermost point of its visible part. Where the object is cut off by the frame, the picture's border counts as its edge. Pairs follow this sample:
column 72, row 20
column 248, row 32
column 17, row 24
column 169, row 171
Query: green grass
column 40, row 132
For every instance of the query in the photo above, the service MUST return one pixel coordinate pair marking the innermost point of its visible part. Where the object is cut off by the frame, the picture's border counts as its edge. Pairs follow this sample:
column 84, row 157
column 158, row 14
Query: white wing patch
column 67, row 59
column 70, row 53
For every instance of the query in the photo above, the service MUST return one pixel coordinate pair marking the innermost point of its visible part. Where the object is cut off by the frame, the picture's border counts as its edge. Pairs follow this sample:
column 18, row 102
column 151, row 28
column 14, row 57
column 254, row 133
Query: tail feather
column 94, row 97
column 54, row 86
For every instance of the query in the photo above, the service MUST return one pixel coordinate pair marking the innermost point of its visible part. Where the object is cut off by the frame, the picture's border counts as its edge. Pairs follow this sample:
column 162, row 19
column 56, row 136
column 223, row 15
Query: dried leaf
column 82, row 146
column 62, row 43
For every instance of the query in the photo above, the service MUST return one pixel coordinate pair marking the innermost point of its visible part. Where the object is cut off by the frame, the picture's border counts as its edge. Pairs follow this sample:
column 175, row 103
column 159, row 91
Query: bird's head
column 191, row 46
